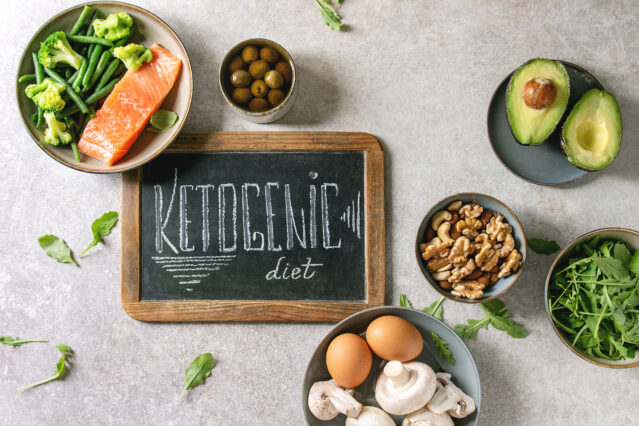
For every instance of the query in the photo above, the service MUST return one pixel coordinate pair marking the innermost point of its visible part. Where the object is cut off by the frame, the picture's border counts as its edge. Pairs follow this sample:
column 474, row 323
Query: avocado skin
column 575, row 109
column 509, row 87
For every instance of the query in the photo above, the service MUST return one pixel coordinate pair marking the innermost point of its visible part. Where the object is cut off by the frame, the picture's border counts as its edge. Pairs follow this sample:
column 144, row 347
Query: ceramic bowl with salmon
column 115, row 140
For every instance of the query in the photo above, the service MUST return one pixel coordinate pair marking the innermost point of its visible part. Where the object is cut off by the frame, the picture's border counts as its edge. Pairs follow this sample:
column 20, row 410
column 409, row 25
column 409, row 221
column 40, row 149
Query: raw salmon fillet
column 110, row 134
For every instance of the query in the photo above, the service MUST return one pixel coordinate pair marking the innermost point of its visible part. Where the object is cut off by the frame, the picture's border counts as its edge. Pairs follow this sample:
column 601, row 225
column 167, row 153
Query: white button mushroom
column 326, row 400
column 450, row 399
column 425, row 417
column 404, row 388
column 370, row 416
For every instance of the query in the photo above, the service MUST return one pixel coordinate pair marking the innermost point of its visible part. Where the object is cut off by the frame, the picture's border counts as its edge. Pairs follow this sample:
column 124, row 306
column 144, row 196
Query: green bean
column 27, row 78
column 76, row 153
column 113, row 66
column 90, row 40
column 34, row 117
column 39, row 73
column 90, row 31
column 102, row 65
column 71, row 79
column 81, row 71
column 99, row 94
column 67, row 111
column 80, row 21
column 70, row 91
column 91, row 113
column 93, row 63
column 68, row 72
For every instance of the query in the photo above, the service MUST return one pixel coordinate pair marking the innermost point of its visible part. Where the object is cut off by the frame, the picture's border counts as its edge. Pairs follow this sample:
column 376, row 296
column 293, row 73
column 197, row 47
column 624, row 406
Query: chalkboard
column 255, row 226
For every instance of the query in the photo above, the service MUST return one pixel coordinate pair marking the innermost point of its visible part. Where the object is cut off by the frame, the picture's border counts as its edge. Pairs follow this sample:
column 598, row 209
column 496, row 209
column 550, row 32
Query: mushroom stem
column 344, row 402
column 397, row 373
column 326, row 400
column 445, row 399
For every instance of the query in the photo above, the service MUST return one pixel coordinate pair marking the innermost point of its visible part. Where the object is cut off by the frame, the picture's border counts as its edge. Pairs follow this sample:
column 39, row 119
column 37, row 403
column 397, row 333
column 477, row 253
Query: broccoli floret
column 133, row 55
column 56, row 133
column 115, row 27
column 46, row 95
column 56, row 49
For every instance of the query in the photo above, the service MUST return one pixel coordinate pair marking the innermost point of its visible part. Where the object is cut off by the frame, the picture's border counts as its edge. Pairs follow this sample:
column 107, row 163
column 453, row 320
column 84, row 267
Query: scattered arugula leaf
column 162, row 120
column 101, row 227
column 198, row 371
column 16, row 341
column 331, row 17
column 404, row 302
column 436, row 309
column 442, row 348
column 543, row 246
column 594, row 300
column 60, row 368
column 496, row 315
column 56, row 248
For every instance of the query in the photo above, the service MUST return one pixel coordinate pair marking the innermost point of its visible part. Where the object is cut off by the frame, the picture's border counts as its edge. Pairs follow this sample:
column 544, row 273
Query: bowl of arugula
column 592, row 297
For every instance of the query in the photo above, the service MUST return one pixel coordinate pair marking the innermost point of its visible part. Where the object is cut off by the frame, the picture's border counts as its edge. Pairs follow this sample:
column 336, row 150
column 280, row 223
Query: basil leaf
column 634, row 263
column 56, row 248
column 11, row 341
column 404, row 302
column 612, row 268
column 442, row 348
column 435, row 309
column 101, row 227
column 60, row 368
column 543, row 246
column 162, row 120
column 331, row 18
column 198, row 371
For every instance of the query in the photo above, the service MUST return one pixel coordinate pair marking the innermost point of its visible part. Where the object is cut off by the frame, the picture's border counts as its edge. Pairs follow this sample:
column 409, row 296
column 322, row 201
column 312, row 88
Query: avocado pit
column 539, row 93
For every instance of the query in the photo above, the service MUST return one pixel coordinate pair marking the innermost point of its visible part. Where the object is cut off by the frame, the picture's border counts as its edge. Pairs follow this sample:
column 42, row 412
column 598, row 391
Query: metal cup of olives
column 258, row 80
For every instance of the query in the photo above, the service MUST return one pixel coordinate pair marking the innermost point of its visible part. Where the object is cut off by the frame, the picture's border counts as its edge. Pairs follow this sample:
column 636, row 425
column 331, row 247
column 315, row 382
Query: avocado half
column 591, row 135
column 532, row 126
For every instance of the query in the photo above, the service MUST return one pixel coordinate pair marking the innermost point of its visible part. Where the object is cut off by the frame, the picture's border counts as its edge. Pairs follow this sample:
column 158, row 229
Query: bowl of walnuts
column 471, row 247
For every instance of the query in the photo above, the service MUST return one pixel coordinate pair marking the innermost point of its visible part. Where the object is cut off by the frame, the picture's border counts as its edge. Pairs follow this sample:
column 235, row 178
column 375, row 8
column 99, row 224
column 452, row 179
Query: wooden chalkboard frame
column 260, row 310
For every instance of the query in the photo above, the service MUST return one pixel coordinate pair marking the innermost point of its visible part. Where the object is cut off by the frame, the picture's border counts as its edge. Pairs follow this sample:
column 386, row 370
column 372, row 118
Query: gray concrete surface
column 418, row 75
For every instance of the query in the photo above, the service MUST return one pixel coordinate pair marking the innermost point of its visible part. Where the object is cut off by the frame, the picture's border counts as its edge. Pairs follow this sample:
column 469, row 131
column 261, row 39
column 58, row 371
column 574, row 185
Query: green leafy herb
column 101, row 227
column 543, row 246
column 331, row 18
column 594, row 299
column 442, row 348
column 60, row 368
column 16, row 341
column 496, row 315
column 403, row 301
column 56, row 248
column 162, row 120
column 435, row 309
column 198, row 371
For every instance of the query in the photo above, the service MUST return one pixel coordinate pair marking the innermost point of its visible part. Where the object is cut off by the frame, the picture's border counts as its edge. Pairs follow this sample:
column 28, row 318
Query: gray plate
column 464, row 371
column 543, row 164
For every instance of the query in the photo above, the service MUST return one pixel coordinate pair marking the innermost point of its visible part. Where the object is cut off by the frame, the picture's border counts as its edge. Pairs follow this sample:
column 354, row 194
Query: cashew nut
column 442, row 232
column 455, row 206
column 439, row 217
column 441, row 276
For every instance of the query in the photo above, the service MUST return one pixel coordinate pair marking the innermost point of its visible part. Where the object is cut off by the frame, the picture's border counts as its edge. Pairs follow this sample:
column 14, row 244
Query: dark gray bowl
column 487, row 202
column 464, row 371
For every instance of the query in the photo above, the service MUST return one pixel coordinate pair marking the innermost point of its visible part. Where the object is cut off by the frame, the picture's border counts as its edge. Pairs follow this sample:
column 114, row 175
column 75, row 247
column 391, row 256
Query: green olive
column 250, row 54
column 258, row 69
column 269, row 54
column 259, row 89
column 240, row 78
column 273, row 79
column 275, row 96
column 285, row 69
column 241, row 95
column 258, row 104
column 236, row 64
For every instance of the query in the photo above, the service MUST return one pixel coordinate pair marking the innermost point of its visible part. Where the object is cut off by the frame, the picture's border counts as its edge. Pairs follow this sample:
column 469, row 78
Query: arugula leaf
column 543, row 246
column 60, row 368
column 11, row 341
column 610, row 267
column 198, row 371
column 331, row 18
column 404, row 302
column 622, row 254
column 162, row 120
column 101, row 227
column 435, row 309
column 442, row 348
column 634, row 263
column 496, row 315
column 56, row 248
column 469, row 331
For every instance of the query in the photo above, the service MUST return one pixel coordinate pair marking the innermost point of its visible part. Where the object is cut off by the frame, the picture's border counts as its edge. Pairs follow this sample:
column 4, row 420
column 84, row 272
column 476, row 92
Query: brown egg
column 285, row 69
column 394, row 338
column 349, row 360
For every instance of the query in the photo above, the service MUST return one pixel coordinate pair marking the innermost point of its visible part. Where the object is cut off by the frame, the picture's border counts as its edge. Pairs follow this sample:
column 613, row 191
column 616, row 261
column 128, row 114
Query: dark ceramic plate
column 464, row 372
column 543, row 164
